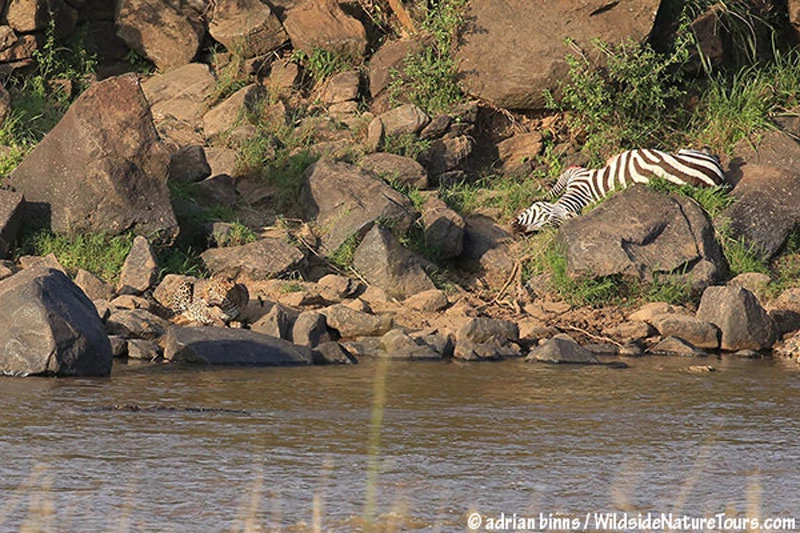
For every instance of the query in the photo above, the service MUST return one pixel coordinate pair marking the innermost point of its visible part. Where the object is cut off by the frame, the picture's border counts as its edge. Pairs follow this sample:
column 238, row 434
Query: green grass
column 322, row 64
column 182, row 260
column 342, row 257
column 407, row 144
column 98, row 253
column 429, row 77
column 39, row 98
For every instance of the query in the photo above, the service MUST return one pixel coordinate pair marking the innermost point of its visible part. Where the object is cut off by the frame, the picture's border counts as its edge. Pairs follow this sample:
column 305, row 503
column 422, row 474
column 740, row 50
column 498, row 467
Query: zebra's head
column 534, row 218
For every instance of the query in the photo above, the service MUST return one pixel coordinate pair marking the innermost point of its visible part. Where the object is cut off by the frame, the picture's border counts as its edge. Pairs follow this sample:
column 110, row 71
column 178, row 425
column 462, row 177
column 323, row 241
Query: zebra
column 582, row 186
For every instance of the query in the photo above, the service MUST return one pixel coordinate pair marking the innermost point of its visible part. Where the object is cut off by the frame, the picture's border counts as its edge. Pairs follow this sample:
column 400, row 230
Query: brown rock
column 383, row 261
column 323, row 24
column 785, row 310
column 389, row 58
column 27, row 16
column 402, row 120
column 159, row 31
column 94, row 287
column 351, row 323
column 517, row 153
column 140, row 269
column 262, row 259
column 247, row 27
column 396, row 169
column 223, row 117
column 341, row 87
column 16, row 48
column 444, row 229
column 511, row 60
column 105, row 182
column 430, row 301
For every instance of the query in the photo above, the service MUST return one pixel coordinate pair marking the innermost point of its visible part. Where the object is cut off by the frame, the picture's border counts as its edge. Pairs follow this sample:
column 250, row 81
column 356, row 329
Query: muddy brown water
column 288, row 448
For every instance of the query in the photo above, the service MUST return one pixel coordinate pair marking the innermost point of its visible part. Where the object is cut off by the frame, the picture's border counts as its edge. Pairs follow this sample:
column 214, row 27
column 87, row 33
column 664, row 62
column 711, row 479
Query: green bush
column 429, row 77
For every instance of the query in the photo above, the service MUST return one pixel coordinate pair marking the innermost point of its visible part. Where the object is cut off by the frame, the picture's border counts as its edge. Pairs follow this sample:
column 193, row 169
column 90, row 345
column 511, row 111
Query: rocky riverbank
column 352, row 246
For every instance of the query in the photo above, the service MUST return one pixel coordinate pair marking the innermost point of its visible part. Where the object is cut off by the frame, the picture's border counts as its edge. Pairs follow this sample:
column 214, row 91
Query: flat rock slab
column 226, row 346
column 262, row 259
column 50, row 327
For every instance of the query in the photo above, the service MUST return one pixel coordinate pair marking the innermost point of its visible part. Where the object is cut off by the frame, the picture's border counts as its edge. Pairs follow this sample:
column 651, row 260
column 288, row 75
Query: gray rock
column 447, row 154
column 697, row 332
column 405, row 119
column 351, row 323
column 332, row 353
column 444, row 229
column 510, row 60
column 106, row 182
column 188, row 165
column 265, row 258
column 136, row 324
column 741, row 319
column 143, row 350
column 396, row 169
column 140, row 269
column 397, row 344
column 215, row 191
column 226, row 346
column 640, row 233
column 278, row 322
column 11, row 212
column 94, row 287
column 767, row 207
column 160, row 31
column 674, row 345
column 384, row 262
column 561, row 349
column 310, row 329
column 346, row 201
column 248, row 27
column 486, row 248
column 482, row 330
column 50, row 327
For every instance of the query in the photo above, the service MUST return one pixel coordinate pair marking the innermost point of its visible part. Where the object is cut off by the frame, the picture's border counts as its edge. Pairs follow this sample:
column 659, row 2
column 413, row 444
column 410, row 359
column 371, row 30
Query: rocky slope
column 117, row 158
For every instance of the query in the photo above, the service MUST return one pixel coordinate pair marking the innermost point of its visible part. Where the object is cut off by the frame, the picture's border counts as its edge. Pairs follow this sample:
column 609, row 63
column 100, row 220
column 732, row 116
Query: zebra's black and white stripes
column 582, row 186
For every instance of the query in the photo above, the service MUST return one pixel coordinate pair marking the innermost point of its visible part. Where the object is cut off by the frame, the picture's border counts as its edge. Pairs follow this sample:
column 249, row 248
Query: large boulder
column 345, row 200
column 262, row 259
column 226, row 346
column 767, row 207
column 324, row 24
column 160, row 31
column 561, row 349
column 511, row 60
column 102, row 168
column 640, row 233
column 50, row 327
column 743, row 323
column 384, row 262
column 247, row 27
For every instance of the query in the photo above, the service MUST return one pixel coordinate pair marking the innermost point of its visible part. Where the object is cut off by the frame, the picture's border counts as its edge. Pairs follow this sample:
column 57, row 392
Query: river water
column 305, row 449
